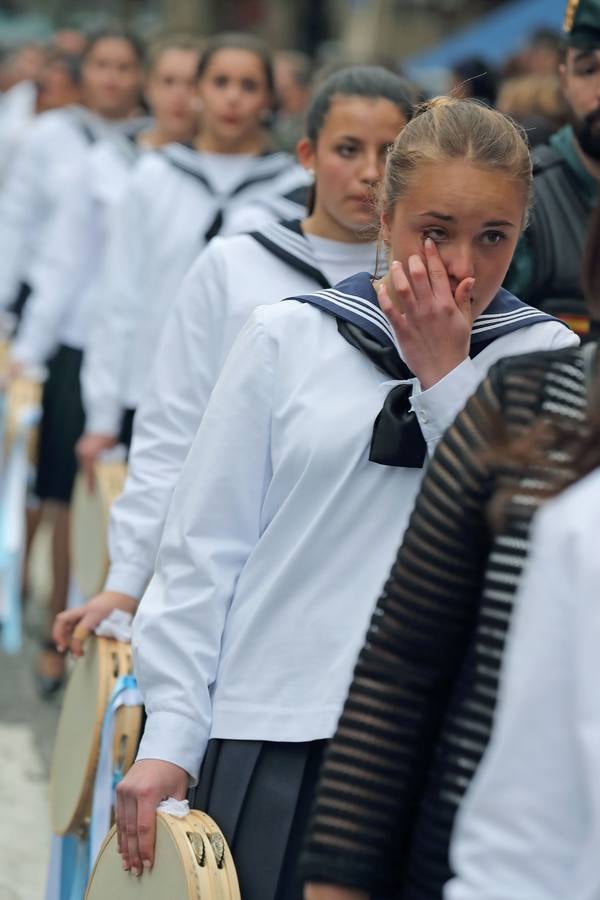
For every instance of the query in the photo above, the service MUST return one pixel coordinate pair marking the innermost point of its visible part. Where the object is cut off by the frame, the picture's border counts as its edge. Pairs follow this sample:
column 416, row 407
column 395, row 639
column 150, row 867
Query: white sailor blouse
column 169, row 212
column 230, row 279
column 65, row 276
column 54, row 143
column 282, row 529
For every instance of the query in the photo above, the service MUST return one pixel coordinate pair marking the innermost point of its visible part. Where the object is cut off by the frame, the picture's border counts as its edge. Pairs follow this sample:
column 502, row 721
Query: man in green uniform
column 547, row 264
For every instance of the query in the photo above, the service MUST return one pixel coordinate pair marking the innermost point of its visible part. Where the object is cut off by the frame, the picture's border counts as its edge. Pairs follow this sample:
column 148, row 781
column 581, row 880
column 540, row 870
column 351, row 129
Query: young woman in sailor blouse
column 352, row 121
column 57, row 140
column 65, row 286
column 297, row 488
column 175, row 203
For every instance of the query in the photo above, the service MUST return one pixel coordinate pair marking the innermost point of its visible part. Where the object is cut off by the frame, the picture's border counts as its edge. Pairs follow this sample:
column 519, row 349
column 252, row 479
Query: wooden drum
column 77, row 744
column 89, row 525
column 192, row 862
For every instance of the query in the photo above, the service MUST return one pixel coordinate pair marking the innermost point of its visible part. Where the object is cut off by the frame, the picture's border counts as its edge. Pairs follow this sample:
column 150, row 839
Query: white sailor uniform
column 279, row 535
column 38, row 179
column 60, row 311
column 178, row 199
column 230, row 278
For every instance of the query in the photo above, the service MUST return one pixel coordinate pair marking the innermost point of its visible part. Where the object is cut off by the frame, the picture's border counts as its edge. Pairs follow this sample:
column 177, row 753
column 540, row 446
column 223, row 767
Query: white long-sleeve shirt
column 54, row 143
column 230, row 279
column 172, row 201
column 280, row 534
column 529, row 828
column 17, row 112
column 65, row 277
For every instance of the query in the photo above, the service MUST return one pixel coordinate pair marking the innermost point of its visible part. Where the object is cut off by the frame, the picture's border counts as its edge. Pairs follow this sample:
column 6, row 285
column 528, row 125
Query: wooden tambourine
column 89, row 525
column 192, row 862
column 77, row 744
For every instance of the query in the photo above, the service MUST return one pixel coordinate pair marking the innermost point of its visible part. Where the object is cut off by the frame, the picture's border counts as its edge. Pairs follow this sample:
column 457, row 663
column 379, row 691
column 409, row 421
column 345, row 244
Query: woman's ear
column 306, row 153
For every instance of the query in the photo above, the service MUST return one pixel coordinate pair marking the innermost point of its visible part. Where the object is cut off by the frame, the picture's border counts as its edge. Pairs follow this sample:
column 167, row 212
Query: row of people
column 301, row 477
column 312, row 437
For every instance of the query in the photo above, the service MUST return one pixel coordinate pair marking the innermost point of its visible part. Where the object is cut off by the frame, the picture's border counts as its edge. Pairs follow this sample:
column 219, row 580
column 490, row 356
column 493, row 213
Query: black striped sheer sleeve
column 378, row 760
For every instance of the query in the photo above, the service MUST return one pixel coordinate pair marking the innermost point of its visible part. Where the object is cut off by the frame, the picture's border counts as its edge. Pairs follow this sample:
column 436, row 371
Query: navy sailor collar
column 354, row 300
column 261, row 168
column 287, row 242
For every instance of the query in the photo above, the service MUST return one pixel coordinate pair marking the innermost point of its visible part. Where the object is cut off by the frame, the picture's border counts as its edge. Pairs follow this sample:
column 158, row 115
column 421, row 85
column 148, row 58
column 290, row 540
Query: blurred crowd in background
column 36, row 76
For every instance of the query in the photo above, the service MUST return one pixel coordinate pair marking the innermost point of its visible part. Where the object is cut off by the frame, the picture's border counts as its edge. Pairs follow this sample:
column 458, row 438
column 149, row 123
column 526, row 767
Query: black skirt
column 126, row 432
column 61, row 426
column 260, row 794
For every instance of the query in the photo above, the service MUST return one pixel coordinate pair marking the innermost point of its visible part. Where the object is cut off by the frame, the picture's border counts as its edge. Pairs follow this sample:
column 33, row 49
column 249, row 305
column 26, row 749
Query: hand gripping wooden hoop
column 90, row 515
column 192, row 862
column 77, row 744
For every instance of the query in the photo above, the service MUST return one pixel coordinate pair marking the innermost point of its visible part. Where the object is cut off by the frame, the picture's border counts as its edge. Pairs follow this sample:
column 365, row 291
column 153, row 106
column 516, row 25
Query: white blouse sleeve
column 20, row 207
column 437, row 407
column 60, row 272
column 185, row 370
column 518, row 832
column 214, row 522
column 120, row 295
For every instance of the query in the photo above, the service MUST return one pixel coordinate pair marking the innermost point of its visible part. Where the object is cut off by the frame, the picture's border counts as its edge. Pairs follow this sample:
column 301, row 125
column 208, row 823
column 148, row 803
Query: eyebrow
column 493, row 223
column 584, row 55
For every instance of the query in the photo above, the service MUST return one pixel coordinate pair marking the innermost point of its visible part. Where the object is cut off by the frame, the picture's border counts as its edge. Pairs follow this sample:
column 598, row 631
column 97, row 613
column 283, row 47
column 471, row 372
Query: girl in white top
column 296, row 491
column 176, row 202
column 111, row 80
column 353, row 118
column 529, row 828
column 65, row 285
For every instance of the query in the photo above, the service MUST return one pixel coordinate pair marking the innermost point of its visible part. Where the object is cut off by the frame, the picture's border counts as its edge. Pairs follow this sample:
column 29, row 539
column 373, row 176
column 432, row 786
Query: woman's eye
column 436, row 234
column 220, row 81
column 491, row 238
column 251, row 87
column 346, row 150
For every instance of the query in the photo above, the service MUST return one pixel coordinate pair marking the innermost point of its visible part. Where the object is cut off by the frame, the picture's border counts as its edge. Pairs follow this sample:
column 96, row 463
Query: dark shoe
column 50, row 670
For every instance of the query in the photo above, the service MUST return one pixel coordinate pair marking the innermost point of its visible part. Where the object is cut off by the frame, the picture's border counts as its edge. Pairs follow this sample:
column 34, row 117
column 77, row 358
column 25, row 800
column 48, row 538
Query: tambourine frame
column 208, row 868
column 105, row 661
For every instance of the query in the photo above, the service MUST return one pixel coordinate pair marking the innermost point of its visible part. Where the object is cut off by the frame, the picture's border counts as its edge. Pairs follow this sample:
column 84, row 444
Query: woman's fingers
column 63, row 626
column 132, row 853
column 463, row 297
column 436, row 270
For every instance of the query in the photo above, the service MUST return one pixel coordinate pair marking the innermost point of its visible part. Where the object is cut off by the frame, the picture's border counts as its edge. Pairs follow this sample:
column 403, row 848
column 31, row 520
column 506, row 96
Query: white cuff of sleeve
column 105, row 420
column 437, row 407
column 176, row 739
column 126, row 578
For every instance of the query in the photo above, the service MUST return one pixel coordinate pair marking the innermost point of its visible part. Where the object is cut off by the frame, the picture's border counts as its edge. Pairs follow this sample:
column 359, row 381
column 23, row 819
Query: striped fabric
column 419, row 712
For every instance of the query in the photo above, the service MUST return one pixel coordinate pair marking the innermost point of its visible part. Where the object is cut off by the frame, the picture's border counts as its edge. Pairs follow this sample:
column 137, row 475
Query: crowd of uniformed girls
column 295, row 339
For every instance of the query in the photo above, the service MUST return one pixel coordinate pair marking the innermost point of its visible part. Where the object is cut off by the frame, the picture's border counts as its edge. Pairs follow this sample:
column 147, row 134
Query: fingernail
column 395, row 264
column 147, row 864
column 428, row 243
column 126, row 866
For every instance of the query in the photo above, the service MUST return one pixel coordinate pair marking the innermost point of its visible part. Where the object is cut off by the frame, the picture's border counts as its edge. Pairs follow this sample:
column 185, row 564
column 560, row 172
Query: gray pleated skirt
column 260, row 794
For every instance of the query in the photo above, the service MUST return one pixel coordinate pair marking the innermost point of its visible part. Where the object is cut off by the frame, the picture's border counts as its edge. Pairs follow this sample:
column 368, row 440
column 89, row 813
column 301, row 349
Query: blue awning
column 494, row 36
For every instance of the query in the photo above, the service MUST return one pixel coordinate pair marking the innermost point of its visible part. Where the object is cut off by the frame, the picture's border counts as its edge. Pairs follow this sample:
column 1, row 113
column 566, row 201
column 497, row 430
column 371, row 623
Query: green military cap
column 582, row 23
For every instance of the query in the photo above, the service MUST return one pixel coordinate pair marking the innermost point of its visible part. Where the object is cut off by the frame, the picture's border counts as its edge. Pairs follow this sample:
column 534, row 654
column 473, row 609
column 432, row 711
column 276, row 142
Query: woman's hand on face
column 432, row 324
column 333, row 892
column 147, row 783
column 72, row 627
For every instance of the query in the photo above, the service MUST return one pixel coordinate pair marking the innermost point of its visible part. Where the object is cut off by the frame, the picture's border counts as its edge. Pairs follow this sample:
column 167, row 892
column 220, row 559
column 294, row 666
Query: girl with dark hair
column 59, row 314
column 419, row 712
column 175, row 203
column 353, row 119
column 297, row 489
column 111, row 81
